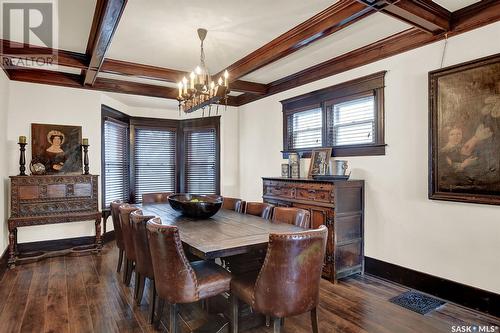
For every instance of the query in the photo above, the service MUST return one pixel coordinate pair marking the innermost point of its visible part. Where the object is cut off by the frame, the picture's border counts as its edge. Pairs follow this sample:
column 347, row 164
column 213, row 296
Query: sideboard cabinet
column 39, row 200
column 339, row 205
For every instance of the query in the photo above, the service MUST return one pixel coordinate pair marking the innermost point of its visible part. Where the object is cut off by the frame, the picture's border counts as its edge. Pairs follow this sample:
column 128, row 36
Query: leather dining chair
column 159, row 197
column 296, row 216
column 143, row 263
column 128, row 242
column 260, row 209
column 288, row 282
column 179, row 281
column 115, row 216
column 235, row 204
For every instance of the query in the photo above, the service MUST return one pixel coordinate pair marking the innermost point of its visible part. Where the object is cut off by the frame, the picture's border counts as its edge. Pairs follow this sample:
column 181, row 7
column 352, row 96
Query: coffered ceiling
column 139, row 47
column 163, row 32
column 453, row 5
column 375, row 27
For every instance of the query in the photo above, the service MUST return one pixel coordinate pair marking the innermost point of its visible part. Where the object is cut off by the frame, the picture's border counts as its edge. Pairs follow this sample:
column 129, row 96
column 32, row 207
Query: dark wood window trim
column 195, row 124
column 108, row 113
column 368, row 85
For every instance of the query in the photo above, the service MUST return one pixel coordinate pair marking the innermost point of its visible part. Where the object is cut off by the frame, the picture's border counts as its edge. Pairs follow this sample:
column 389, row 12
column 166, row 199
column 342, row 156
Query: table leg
column 15, row 242
column 12, row 247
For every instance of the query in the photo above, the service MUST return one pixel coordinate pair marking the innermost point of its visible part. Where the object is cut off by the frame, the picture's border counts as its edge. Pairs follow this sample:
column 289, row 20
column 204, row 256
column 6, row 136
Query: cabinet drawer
column 313, row 195
column 57, row 207
column 348, row 256
column 280, row 191
column 348, row 228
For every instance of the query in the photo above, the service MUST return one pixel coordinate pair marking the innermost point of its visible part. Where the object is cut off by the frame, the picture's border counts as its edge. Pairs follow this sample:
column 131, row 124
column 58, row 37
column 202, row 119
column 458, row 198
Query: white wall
column 4, row 101
column 457, row 241
column 34, row 103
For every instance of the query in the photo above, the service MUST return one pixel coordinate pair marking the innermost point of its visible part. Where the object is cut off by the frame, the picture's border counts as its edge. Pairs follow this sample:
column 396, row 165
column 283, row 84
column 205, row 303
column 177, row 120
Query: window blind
column 352, row 122
column 154, row 161
column 116, row 162
column 200, row 161
column 305, row 129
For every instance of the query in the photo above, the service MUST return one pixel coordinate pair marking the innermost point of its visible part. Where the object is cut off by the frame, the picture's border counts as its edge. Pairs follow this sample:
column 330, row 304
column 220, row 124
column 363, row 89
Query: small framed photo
column 320, row 160
column 285, row 170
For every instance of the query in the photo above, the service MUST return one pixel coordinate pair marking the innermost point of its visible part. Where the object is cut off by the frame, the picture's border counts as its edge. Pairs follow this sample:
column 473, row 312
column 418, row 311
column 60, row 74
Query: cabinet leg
column 12, row 247
column 98, row 240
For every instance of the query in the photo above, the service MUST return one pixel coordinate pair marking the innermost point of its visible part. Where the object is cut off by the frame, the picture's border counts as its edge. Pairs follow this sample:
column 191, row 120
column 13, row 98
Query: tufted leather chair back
column 160, row 197
column 115, row 216
column 143, row 263
column 233, row 204
column 299, row 217
column 261, row 209
column 288, row 282
column 128, row 241
column 176, row 279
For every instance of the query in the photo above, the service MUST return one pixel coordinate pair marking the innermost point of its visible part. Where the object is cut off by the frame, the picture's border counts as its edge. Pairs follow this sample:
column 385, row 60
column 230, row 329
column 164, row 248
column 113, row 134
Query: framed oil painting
column 465, row 132
column 57, row 147
column 320, row 160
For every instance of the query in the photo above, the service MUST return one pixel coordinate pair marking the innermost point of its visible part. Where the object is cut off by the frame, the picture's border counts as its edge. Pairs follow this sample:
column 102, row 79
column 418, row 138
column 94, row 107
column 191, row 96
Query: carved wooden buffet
column 337, row 204
column 39, row 200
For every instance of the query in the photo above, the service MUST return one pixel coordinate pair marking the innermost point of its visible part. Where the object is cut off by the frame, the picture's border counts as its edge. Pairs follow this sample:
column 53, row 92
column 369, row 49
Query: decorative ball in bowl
column 197, row 206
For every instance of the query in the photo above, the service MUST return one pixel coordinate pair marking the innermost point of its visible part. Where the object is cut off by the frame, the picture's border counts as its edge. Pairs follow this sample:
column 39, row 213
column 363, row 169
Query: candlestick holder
column 22, row 158
column 85, row 159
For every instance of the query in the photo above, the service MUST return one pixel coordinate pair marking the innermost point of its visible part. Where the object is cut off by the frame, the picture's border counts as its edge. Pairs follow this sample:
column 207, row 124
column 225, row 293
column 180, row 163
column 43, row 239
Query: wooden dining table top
column 227, row 233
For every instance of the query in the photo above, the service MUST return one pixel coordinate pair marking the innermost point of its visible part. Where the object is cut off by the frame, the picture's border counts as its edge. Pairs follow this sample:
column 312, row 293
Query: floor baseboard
column 470, row 297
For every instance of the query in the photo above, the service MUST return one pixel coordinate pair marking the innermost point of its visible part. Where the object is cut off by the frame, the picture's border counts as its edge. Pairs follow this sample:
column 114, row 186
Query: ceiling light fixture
column 200, row 91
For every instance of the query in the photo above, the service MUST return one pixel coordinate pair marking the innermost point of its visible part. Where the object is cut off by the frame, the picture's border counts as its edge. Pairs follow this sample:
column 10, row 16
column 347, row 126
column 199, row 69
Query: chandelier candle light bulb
column 192, row 76
column 184, row 84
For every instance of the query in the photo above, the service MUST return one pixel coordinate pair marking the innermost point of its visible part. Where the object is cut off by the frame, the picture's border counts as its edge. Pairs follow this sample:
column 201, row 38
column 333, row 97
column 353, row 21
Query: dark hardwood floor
column 85, row 294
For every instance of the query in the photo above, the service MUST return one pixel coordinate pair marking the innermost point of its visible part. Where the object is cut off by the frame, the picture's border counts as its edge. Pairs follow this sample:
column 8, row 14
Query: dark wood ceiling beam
column 423, row 14
column 470, row 18
column 475, row 15
column 332, row 19
column 119, row 67
column 42, row 76
column 249, row 87
column 106, row 18
column 14, row 50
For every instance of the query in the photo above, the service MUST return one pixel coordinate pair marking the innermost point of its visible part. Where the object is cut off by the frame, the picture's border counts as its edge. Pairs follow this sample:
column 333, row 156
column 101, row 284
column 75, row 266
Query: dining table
column 225, row 234
column 238, row 240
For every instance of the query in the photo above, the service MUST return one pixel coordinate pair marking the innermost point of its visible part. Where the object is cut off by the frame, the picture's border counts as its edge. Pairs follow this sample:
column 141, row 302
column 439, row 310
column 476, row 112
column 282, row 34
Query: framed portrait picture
column 57, row 147
column 465, row 132
column 320, row 160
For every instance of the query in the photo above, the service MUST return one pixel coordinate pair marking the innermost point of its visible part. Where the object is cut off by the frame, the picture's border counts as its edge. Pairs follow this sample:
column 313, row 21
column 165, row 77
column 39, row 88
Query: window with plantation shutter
column 154, row 161
column 352, row 122
column 201, row 161
column 348, row 117
column 115, row 162
column 305, row 129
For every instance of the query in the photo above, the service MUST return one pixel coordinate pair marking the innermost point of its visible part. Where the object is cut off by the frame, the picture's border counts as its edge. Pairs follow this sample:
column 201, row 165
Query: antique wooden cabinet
column 39, row 200
column 337, row 204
